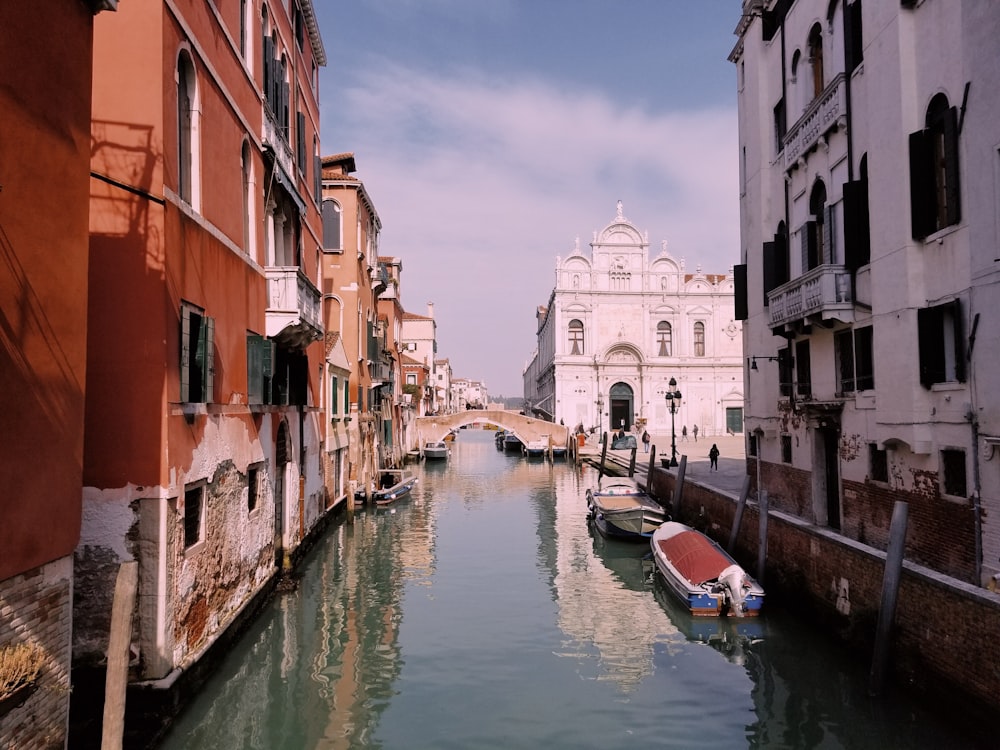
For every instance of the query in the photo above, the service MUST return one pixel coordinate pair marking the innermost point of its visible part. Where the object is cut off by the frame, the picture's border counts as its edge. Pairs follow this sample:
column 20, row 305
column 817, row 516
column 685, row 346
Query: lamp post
column 673, row 397
column 600, row 412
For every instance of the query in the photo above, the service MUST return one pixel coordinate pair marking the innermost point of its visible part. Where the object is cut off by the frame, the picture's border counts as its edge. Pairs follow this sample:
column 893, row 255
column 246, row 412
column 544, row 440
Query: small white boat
column 394, row 484
column 702, row 575
column 621, row 509
column 536, row 448
column 436, row 451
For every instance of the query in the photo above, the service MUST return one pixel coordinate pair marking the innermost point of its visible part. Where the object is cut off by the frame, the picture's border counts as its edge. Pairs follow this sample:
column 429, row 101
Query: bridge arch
column 527, row 429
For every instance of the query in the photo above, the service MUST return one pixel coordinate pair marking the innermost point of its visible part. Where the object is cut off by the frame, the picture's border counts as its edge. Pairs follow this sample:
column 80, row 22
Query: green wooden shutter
column 208, row 391
column 255, row 377
column 185, row 369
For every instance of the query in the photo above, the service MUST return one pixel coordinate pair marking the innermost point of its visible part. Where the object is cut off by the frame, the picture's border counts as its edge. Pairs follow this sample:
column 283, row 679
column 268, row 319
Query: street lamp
column 600, row 412
column 673, row 397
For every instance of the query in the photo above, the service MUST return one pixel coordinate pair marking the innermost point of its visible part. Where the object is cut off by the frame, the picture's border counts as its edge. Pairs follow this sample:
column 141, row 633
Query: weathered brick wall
column 940, row 533
column 35, row 608
column 945, row 630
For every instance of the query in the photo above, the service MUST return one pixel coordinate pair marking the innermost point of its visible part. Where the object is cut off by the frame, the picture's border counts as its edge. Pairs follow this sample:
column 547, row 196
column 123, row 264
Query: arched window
column 187, row 130
column 816, row 59
column 699, row 339
column 664, row 335
column 575, row 337
column 935, row 195
column 332, row 226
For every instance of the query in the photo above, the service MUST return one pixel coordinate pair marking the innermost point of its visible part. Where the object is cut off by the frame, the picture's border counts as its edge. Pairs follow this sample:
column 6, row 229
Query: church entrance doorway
column 622, row 402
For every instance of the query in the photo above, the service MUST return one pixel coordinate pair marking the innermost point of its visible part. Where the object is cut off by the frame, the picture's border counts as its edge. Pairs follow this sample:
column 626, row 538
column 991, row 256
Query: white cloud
column 480, row 183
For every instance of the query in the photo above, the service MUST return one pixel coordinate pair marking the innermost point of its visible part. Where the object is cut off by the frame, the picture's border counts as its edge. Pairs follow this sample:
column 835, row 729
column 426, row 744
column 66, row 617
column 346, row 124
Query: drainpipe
column 976, row 480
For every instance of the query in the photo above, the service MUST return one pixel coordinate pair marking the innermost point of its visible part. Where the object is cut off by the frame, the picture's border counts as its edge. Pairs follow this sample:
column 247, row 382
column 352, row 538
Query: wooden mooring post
column 119, row 643
column 738, row 518
column 890, row 592
column 761, row 535
column 675, row 510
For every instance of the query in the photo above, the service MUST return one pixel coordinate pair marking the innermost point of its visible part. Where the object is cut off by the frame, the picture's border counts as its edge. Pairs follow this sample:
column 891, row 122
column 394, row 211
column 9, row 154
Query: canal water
column 483, row 612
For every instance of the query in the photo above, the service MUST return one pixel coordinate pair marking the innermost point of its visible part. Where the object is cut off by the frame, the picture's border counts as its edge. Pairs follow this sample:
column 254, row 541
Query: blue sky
column 491, row 134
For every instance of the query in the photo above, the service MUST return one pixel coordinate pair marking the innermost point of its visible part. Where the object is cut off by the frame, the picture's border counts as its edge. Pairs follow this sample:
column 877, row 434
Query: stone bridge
column 527, row 429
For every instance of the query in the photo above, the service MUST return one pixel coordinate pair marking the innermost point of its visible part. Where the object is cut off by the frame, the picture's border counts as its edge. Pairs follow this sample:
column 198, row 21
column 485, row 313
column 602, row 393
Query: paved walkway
column 732, row 459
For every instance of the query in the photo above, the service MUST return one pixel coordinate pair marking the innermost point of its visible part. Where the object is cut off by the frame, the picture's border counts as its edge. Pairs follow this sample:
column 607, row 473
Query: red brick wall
column 945, row 630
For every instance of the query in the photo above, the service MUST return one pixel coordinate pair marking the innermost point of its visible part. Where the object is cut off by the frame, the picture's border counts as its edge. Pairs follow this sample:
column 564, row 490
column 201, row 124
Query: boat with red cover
column 702, row 575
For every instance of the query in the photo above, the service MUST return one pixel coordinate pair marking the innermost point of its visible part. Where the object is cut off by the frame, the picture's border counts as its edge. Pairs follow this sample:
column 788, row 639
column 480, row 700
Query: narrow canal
column 482, row 612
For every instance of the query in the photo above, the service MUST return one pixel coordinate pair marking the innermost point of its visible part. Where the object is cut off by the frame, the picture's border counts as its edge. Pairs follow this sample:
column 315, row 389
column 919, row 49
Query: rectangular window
column 786, row 449
column 260, row 359
column 411, row 379
column 941, row 349
column 193, row 497
column 864, row 358
column 334, row 395
column 878, row 464
column 953, row 469
column 843, row 344
column 699, row 339
column 803, row 368
column 253, row 486
column 197, row 371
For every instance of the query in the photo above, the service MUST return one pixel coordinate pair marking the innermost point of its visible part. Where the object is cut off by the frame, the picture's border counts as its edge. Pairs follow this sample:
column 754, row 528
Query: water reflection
column 482, row 611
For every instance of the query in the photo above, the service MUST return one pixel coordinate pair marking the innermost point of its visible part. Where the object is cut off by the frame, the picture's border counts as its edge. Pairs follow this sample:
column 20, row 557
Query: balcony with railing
column 822, row 294
column 827, row 110
column 293, row 316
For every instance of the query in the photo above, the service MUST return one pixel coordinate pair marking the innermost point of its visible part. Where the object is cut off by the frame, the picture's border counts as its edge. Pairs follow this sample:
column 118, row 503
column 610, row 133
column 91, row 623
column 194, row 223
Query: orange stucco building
column 203, row 425
column 45, row 103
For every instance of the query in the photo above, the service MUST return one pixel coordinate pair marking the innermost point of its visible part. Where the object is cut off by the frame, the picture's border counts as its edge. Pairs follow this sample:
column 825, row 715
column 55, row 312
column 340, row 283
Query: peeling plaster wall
column 186, row 596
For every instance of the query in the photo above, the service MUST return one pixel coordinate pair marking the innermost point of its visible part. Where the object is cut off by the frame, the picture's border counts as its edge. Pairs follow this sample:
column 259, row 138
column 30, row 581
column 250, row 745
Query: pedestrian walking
column 695, row 431
column 645, row 442
column 713, row 458
column 684, row 434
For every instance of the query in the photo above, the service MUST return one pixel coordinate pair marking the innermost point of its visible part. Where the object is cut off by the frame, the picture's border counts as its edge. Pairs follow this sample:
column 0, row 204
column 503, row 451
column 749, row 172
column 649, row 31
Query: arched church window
column 664, row 336
column 575, row 337
column 699, row 339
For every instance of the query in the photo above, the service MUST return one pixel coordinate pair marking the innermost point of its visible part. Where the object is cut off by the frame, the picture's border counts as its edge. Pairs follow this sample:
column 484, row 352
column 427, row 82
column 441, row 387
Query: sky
column 491, row 134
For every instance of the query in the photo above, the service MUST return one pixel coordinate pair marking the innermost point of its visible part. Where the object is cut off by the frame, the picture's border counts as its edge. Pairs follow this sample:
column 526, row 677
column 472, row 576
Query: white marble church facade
column 619, row 325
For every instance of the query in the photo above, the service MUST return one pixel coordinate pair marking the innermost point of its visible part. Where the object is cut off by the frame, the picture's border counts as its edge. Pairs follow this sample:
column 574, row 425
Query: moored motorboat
column 436, row 451
column 394, row 484
column 536, row 448
column 621, row 509
column 512, row 442
column 702, row 575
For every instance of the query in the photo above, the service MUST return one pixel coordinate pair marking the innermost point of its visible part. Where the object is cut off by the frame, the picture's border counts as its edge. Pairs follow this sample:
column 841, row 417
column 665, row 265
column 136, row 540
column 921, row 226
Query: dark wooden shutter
column 770, row 281
column 952, row 188
column 782, row 263
column 807, row 236
column 922, row 213
column 853, row 48
column 857, row 232
column 930, row 345
column 740, row 291
column 268, row 61
column 300, row 140
column 829, row 236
